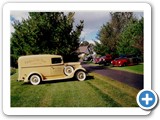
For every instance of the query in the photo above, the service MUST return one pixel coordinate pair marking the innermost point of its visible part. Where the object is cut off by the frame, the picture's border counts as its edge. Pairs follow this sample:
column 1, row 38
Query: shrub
column 13, row 70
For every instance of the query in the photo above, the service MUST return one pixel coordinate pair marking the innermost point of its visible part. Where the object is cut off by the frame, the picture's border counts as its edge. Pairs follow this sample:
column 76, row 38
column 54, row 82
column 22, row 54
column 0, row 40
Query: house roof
column 83, row 49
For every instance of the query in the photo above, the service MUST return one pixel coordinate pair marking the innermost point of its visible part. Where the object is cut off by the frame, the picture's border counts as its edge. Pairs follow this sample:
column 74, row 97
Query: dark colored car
column 125, row 61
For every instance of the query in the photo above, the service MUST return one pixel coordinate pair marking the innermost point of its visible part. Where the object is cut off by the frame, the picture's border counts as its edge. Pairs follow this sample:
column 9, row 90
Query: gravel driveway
column 132, row 79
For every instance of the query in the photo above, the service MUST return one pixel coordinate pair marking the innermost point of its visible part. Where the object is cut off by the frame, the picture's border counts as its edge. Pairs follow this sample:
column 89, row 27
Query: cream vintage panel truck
column 37, row 68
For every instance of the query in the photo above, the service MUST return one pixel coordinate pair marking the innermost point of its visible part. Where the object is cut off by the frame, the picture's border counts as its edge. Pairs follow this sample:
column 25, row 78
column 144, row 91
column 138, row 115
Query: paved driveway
column 134, row 80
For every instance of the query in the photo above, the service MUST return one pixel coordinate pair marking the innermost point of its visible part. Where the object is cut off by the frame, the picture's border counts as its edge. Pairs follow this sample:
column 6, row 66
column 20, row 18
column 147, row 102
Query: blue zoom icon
column 147, row 99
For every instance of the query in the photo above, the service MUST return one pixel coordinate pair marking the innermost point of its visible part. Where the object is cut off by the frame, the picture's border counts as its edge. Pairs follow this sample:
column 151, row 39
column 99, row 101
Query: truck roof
column 39, row 56
column 31, row 60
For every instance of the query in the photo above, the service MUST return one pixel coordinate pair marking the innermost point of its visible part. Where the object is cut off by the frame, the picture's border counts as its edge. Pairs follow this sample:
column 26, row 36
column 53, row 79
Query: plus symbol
column 147, row 99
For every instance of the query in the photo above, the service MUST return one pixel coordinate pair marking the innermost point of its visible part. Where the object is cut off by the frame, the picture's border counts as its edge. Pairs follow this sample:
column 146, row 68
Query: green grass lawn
column 138, row 69
column 97, row 91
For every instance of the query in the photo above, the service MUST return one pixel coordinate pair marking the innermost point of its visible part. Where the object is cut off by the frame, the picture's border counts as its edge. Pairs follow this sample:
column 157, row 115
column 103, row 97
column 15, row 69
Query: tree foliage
column 122, row 35
column 45, row 33
column 110, row 32
column 100, row 48
column 131, row 39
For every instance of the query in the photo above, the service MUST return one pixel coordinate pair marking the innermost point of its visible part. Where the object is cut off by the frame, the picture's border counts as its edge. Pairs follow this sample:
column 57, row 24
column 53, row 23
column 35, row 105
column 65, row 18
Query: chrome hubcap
column 81, row 75
column 35, row 80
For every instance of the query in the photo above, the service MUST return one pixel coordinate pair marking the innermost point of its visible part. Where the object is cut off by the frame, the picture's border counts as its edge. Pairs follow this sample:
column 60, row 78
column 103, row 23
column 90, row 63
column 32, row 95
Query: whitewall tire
column 81, row 75
column 35, row 79
column 68, row 70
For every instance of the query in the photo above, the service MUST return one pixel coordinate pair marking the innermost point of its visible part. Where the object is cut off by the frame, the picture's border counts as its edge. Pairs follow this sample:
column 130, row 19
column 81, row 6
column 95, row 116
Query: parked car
column 106, row 60
column 37, row 68
column 88, row 58
column 96, row 60
column 125, row 61
column 119, row 62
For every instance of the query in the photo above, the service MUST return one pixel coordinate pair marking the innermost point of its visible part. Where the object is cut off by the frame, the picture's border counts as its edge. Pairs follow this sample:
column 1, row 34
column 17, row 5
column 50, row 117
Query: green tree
column 45, row 33
column 110, row 32
column 100, row 48
column 131, row 39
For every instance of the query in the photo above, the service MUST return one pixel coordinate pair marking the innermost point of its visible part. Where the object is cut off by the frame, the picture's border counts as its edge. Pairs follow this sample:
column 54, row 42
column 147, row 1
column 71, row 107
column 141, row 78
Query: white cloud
column 92, row 41
column 138, row 15
column 92, row 21
column 19, row 15
column 12, row 28
column 86, row 32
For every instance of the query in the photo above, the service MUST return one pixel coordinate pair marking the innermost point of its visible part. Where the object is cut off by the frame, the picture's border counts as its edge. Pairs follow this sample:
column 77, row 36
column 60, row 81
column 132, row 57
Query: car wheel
column 124, row 64
column 68, row 70
column 81, row 75
column 35, row 79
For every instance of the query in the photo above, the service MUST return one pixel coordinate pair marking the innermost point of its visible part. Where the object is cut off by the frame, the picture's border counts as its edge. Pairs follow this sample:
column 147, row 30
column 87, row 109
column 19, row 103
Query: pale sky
column 92, row 21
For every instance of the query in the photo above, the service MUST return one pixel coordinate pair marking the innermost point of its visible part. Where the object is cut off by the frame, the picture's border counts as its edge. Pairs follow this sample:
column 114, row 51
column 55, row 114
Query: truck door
column 57, row 67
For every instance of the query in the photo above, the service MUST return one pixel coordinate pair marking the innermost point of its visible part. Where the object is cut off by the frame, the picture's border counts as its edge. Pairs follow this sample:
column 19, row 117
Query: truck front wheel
column 81, row 75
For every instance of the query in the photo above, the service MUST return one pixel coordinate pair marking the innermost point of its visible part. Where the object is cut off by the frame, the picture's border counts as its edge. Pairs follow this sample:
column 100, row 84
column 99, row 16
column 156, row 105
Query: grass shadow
column 89, row 77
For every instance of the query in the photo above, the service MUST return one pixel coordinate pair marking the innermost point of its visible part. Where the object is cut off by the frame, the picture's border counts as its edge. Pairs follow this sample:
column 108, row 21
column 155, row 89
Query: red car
column 105, row 59
column 96, row 60
column 124, row 61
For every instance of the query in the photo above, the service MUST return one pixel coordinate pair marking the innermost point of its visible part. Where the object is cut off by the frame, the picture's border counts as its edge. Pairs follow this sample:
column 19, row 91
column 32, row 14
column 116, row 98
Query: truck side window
column 56, row 60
